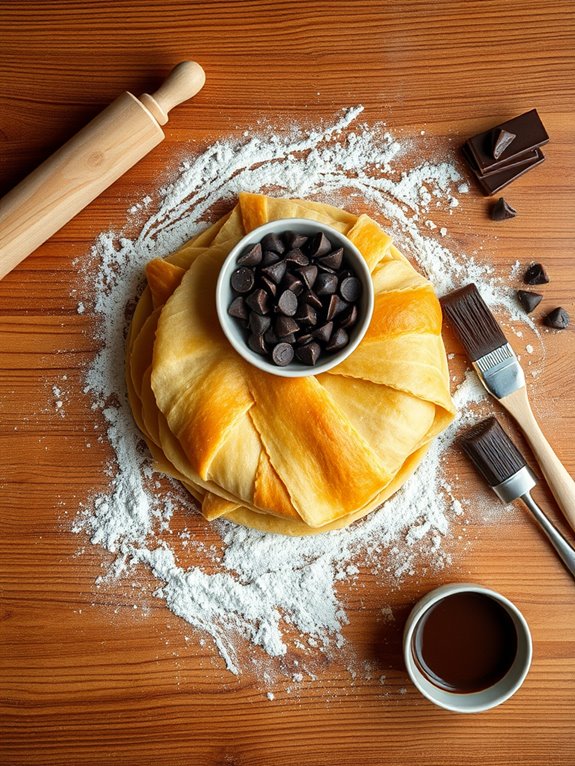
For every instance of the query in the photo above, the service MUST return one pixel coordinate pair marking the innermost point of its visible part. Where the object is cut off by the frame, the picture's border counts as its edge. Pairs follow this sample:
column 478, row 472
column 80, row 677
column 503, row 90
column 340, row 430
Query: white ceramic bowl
column 474, row 702
column 352, row 258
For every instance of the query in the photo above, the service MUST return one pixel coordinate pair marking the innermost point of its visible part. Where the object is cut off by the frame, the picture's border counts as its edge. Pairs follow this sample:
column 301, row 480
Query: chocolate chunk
column 275, row 271
column 274, row 243
column 535, row 275
column 285, row 326
column 324, row 332
column 297, row 258
column 335, row 307
column 305, row 338
column 238, row 308
column 258, row 323
column 349, row 318
column 270, row 257
column 309, row 275
column 333, row 260
column 294, row 239
column 309, row 353
column 350, row 289
column 338, row 340
column 325, row 284
column 528, row 300
column 287, row 303
column 309, row 296
column 259, row 301
column 501, row 140
column 306, row 314
column 270, row 286
column 257, row 344
column 318, row 245
column 527, row 158
column 252, row 257
column 282, row 354
column 242, row 280
column 494, row 182
column 292, row 282
column 558, row 319
column 529, row 132
column 502, row 210
column 270, row 337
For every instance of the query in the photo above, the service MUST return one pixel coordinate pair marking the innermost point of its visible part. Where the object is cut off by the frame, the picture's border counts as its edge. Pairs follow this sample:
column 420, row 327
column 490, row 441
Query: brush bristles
column 492, row 452
column 471, row 319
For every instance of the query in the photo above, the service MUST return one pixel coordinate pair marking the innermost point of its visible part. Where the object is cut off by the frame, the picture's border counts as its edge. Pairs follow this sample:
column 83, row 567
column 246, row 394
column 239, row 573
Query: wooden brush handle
column 560, row 482
column 87, row 164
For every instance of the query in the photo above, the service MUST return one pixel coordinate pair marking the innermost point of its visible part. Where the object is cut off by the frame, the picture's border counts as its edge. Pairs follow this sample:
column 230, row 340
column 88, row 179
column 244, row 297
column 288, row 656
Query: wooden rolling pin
column 88, row 163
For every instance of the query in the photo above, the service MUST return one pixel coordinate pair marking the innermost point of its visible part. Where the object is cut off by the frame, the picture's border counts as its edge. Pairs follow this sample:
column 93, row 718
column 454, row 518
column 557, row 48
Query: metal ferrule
column 500, row 371
column 521, row 483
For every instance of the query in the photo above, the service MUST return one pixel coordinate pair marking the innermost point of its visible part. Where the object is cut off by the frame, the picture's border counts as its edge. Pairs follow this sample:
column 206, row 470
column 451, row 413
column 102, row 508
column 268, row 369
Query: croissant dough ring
column 288, row 455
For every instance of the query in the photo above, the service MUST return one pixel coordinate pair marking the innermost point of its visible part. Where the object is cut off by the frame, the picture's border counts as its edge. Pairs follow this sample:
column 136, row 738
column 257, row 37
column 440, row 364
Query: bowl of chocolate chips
column 294, row 297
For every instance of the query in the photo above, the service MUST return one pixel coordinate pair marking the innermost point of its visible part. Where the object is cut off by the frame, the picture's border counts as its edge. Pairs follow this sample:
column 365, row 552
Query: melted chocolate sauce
column 465, row 643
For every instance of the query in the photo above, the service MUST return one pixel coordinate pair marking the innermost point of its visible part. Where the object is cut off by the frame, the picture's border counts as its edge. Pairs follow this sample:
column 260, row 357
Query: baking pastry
column 288, row 455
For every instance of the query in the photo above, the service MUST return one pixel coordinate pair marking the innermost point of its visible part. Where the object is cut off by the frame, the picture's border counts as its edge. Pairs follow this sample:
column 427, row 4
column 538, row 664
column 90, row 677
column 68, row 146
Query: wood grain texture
column 85, row 678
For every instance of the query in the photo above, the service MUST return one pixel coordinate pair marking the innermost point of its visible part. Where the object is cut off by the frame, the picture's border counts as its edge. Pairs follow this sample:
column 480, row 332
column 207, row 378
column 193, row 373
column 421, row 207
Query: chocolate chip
column 308, row 354
column 270, row 337
column 252, row 257
column 291, row 338
column 285, row 326
column 349, row 318
column 294, row 239
column 558, row 319
column 259, row 301
column 529, row 300
column 275, row 271
column 287, row 303
column 333, row 260
column 282, row 354
column 306, row 314
column 296, row 257
column 350, row 289
column 292, row 282
column 318, row 245
column 258, row 323
column 242, row 280
column 325, row 284
column 501, row 140
column 308, row 275
column 338, row 340
column 309, row 296
column 304, row 339
column 502, row 211
column 238, row 309
column 324, row 332
column 335, row 307
column 257, row 344
column 270, row 257
column 535, row 275
column 270, row 286
column 273, row 242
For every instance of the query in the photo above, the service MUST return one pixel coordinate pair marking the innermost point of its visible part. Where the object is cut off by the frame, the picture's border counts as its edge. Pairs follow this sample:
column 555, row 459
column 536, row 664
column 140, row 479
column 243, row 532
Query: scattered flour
column 258, row 587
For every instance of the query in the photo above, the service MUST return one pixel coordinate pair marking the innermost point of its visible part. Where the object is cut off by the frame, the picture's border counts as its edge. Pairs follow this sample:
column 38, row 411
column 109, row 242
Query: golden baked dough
column 288, row 455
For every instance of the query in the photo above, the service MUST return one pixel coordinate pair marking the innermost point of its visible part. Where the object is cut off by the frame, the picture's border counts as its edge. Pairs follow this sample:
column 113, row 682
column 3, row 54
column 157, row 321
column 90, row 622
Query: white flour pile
column 256, row 587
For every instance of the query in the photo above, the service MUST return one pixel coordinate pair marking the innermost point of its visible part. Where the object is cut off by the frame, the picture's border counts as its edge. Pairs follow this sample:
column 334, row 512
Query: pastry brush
column 500, row 372
column 503, row 467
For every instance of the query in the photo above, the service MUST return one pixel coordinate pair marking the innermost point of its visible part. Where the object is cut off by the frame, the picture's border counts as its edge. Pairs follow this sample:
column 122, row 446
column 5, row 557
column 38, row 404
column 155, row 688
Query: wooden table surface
column 85, row 680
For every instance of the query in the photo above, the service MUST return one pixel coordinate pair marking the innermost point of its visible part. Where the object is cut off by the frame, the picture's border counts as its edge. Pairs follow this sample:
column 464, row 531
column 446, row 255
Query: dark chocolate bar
column 515, row 162
column 493, row 183
column 529, row 134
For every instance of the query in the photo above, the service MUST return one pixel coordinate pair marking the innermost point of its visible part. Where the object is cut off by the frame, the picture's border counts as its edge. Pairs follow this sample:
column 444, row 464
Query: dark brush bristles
column 472, row 321
column 492, row 452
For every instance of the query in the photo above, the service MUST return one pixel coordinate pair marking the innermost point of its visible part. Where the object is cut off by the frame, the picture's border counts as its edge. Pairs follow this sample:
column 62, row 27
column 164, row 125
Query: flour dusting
column 254, row 587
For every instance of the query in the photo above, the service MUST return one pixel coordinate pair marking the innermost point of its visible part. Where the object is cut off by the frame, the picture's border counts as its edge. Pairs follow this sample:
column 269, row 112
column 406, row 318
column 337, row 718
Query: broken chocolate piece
column 259, row 301
column 494, row 182
column 528, row 300
column 251, row 257
column 309, row 353
column 350, row 289
column 238, row 308
column 558, row 319
column 501, row 140
column 274, row 243
column 502, row 211
column 535, row 275
column 242, row 280
column 338, row 340
column 287, row 303
column 282, row 354
column 529, row 134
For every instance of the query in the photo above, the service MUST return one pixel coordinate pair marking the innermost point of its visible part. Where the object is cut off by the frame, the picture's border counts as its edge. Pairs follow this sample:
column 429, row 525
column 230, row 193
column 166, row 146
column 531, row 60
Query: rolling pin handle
column 185, row 80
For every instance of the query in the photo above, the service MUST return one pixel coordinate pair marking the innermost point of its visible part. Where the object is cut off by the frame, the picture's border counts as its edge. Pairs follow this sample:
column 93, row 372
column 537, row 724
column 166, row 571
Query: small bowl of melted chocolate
column 294, row 297
column 467, row 648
